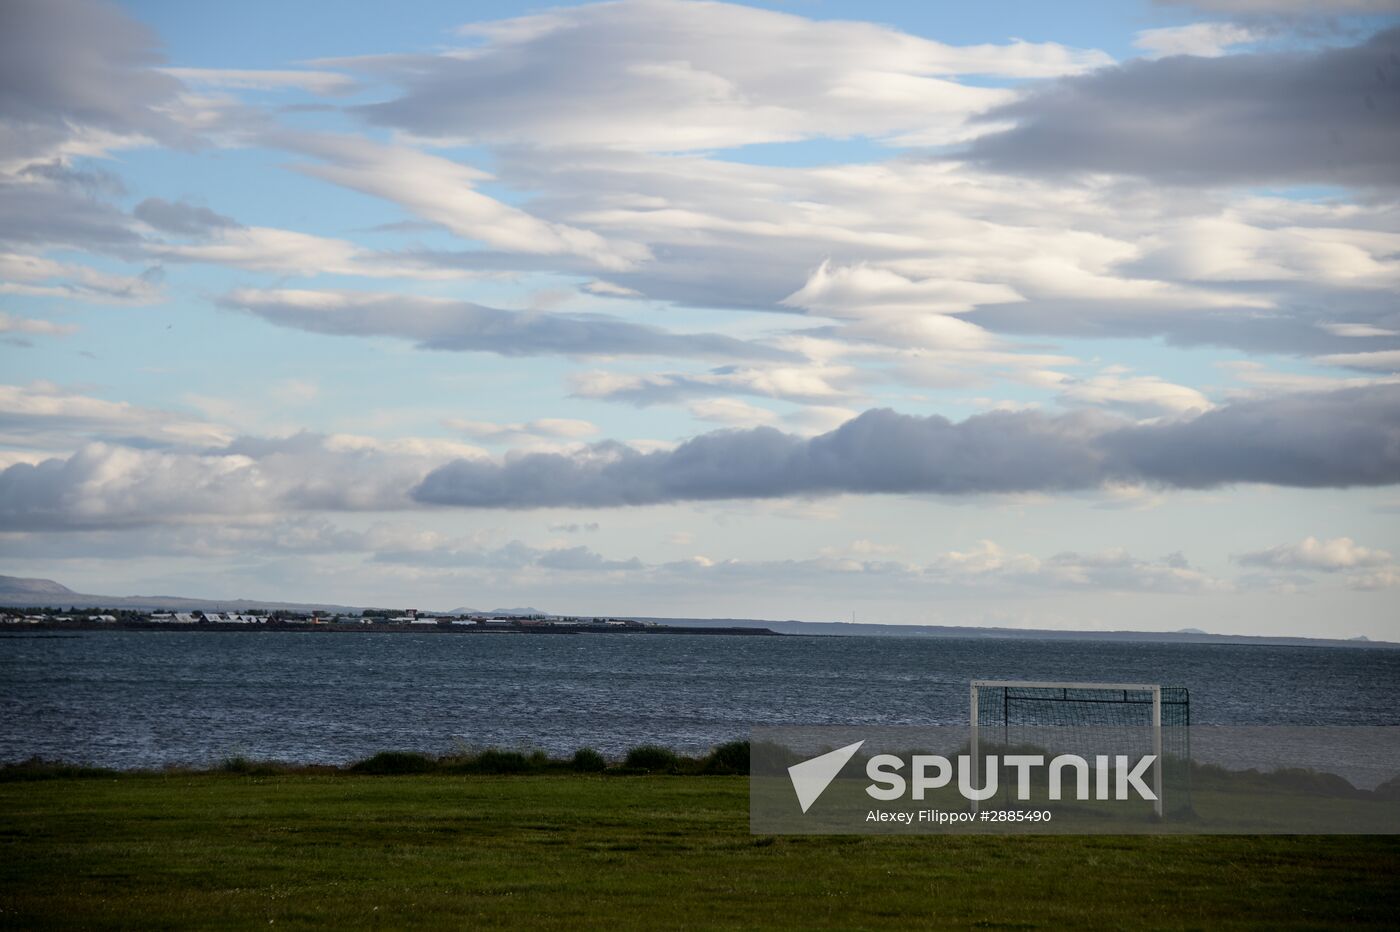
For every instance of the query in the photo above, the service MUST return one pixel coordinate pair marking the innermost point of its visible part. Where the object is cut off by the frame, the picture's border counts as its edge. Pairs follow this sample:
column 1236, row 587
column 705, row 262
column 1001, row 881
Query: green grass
column 567, row 851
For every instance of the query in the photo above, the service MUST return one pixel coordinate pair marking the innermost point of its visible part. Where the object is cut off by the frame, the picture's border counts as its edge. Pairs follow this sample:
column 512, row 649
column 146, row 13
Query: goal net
column 1088, row 720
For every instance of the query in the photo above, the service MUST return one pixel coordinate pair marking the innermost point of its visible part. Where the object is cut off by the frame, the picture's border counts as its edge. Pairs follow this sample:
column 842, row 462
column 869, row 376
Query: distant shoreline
column 13, row 629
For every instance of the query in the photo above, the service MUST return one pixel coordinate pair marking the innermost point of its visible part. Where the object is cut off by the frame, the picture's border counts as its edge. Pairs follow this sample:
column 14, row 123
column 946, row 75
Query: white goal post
column 1068, row 690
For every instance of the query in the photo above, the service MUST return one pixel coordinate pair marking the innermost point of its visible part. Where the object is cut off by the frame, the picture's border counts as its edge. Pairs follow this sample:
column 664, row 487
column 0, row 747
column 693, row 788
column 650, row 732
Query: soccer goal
column 1091, row 719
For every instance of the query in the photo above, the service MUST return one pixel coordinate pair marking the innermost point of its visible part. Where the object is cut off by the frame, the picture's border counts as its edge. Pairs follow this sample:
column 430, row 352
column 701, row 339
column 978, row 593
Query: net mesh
column 1088, row 721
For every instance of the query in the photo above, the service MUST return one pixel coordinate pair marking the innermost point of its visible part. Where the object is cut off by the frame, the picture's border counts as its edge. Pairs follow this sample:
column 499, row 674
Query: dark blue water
column 141, row 698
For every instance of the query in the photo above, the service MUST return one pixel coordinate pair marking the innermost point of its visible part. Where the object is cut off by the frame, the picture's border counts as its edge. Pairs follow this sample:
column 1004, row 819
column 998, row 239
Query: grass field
column 622, row 852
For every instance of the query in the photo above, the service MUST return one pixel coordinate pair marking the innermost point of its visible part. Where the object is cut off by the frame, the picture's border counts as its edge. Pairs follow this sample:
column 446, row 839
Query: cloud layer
column 1339, row 439
column 1333, row 440
column 444, row 324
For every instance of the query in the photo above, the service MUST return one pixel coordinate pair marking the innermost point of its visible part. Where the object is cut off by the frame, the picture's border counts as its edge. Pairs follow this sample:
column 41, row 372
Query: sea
column 144, row 699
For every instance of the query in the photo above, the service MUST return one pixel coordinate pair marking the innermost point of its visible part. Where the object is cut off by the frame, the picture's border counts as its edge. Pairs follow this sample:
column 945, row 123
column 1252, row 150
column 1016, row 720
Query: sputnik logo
column 811, row 777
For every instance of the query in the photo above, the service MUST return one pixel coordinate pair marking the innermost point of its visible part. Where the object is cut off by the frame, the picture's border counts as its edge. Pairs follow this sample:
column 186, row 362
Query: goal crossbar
column 1034, row 684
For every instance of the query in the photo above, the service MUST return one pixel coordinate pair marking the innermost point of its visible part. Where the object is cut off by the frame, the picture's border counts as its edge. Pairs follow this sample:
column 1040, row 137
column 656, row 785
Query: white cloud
column 656, row 75
column 1140, row 396
column 984, row 567
column 1207, row 40
column 607, row 289
column 46, row 413
column 266, row 249
column 527, row 433
column 1359, row 331
column 444, row 191
column 1235, row 247
column 11, row 324
column 813, row 383
column 1383, row 360
column 1388, row 578
column 37, row 276
column 1339, row 553
column 862, row 290
column 733, row 411
column 1263, row 380
column 103, row 485
column 317, row 82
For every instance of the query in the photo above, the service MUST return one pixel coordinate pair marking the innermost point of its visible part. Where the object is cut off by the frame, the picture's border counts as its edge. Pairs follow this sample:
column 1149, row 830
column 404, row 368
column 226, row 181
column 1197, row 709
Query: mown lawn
column 636, row 852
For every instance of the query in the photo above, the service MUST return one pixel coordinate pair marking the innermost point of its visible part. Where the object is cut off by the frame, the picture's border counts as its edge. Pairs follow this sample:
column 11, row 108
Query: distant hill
column 18, row 592
column 19, row 585
column 21, row 592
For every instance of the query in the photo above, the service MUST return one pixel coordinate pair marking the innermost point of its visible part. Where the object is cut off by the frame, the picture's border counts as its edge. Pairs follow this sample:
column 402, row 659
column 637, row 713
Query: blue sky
column 1073, row 315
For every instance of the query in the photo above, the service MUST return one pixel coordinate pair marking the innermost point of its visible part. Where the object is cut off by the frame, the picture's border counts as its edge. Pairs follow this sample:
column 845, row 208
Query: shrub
column 395, row 762
column 251, row 768
column 651, row 758
column 730, row 757
column 493, row 761
column 587, row 760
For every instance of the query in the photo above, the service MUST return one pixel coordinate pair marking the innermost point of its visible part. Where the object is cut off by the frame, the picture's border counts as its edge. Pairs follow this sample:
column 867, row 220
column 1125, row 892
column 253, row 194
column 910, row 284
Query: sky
column 1072, row 315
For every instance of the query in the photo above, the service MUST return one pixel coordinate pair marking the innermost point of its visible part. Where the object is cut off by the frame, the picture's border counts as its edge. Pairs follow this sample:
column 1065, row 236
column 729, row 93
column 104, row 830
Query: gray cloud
column 1289, row 7
column 1338, row 439
column 94, row 181
column 45, row 213
column 72, row 65
column 1314, row 440
column 181, row 218
column 1329, row 117
column 590, row 527
column 463, row 326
